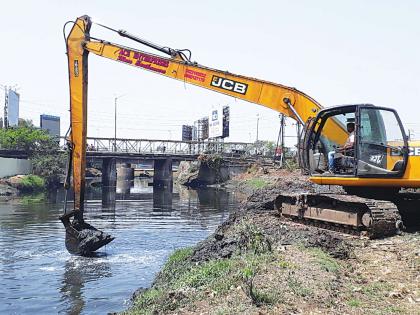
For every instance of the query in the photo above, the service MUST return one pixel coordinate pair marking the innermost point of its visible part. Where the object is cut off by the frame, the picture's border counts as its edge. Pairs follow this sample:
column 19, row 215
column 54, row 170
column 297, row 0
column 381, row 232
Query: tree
column 42, row 150
column 25, row 123
column 28, row 139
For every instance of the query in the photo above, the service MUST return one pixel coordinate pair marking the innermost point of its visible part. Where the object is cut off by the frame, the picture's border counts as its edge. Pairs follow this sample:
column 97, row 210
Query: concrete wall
column 196, row 173
column 11, row 167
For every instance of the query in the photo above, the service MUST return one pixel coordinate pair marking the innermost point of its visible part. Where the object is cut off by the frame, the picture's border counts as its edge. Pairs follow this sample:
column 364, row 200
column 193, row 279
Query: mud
column 227, row 240
column 7, row 192
column 83, row 239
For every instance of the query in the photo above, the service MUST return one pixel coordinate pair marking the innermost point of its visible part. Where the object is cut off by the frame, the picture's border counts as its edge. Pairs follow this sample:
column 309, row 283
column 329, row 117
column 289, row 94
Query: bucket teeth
column 82, row 238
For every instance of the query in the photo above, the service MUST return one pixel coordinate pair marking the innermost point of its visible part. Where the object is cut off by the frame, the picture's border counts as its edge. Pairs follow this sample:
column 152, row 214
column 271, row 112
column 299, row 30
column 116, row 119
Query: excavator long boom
column 287, row 100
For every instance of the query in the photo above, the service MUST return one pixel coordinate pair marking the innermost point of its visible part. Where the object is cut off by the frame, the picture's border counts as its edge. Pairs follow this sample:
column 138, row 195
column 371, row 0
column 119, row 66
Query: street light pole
column 258, row 120
column 115, row 124
column 115, row 121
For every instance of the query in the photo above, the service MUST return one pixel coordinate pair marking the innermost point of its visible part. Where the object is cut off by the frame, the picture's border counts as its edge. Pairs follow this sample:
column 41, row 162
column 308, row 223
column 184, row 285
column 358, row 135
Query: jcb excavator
column 373, row 171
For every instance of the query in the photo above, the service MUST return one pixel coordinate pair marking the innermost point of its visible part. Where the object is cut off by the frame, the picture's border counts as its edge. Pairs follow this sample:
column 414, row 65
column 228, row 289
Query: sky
column 338, row 52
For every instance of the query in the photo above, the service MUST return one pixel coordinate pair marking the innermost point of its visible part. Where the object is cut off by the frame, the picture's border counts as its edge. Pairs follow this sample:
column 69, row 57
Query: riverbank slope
column 260, row 263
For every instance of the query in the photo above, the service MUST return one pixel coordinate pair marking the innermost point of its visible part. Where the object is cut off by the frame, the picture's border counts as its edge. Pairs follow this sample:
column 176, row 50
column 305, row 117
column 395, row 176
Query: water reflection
column 109, row 196
column 75, row 279
column 162, row 198
column 39, row 276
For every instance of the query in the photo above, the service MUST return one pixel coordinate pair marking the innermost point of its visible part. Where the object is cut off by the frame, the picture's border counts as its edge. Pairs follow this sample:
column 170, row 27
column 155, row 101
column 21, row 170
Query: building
column 51, row 124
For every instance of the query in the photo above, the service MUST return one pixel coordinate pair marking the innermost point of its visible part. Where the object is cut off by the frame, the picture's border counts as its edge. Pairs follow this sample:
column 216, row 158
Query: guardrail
column 148, row 146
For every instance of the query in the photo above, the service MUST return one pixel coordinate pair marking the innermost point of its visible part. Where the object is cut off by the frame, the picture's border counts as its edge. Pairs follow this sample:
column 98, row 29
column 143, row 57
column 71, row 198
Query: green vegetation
column 283, row 264
column 251, row 238
column 25, row 137
column 257, row 183
column 213, row 161
column 179, row 275
column 377, row 290
column 215, row 277
column 297, row 287
column 354, row 303
column 33, row 198
column 31, row 183
column 324, row 259
column 41, row 148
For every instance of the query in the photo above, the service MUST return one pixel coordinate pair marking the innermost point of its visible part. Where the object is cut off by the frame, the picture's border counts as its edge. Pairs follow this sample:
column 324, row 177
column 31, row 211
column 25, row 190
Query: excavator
column 379, row 174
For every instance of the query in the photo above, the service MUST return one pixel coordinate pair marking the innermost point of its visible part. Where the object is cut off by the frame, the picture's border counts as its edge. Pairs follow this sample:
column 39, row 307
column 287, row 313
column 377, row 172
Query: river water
column 38, row 275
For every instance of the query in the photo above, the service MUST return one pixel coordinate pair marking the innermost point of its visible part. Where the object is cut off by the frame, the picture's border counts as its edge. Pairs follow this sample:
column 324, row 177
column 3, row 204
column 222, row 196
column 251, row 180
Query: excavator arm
column 286, row 100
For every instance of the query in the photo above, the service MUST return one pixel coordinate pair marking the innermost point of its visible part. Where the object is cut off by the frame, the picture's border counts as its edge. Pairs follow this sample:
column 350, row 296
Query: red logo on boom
column 195, row 75
column 142, row 60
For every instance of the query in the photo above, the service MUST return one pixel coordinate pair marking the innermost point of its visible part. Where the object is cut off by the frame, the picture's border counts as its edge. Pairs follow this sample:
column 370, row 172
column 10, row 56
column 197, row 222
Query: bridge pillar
column 109, row 196
column 162, row 198
column 109, row 172
column 163, row 176
column 125, row 172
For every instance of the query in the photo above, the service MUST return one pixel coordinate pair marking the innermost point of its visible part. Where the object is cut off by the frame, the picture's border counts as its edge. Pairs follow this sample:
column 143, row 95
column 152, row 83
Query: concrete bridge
column 163, row 153
column 146, row 147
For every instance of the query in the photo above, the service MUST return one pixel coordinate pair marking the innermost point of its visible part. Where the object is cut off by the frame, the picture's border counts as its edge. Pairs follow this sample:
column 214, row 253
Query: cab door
column 382, row 147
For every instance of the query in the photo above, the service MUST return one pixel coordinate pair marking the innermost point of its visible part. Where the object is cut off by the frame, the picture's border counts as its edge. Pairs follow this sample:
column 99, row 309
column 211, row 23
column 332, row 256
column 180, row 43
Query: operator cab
column 355, row 141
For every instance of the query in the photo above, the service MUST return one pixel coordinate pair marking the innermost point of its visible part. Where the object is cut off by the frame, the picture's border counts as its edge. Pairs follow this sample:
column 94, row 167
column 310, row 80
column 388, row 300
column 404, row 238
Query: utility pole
column 115, row 121
column 282, row 124
column 6, row 103
column 258, row 121
column 280, row 141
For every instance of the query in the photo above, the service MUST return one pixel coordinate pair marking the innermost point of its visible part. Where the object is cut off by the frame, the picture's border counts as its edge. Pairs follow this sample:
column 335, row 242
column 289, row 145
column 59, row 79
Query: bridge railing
column 148, row 146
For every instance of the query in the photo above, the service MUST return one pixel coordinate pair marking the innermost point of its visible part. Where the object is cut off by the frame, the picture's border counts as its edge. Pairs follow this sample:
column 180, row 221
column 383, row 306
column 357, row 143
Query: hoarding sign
column 216, row 123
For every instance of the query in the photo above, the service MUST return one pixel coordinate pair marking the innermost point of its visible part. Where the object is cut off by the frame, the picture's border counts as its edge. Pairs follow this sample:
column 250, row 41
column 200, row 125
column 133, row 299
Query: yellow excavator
column 377, row 170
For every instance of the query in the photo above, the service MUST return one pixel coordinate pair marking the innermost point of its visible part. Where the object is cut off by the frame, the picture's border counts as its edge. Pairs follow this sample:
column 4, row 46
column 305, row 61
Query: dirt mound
column 227, row 239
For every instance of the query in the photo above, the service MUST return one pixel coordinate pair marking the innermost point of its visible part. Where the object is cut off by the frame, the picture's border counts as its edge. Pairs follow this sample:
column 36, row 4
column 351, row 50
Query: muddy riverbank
column 260, row 263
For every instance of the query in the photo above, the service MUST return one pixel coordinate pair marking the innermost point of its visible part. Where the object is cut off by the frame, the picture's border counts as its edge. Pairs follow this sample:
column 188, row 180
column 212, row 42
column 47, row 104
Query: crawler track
column 343, row 213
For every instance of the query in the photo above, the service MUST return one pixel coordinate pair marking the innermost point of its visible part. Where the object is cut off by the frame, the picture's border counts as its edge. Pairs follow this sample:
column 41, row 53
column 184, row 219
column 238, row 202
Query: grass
column 326, row 262
column 182, row 282
column 393, row 309
column 257, row 183
column 180, row 274
column 31, row 183
column 184, row 285
column 354, row 303
column 297, row 287
column 251, row 238
column 376, row 289
column 283, row 264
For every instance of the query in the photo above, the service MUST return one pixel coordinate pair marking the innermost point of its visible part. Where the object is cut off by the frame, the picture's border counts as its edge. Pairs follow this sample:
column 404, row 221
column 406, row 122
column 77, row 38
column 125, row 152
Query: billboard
column 219, row 122
column 51, row 124
column 12, row 109
column 187, row 133
column 216, row 123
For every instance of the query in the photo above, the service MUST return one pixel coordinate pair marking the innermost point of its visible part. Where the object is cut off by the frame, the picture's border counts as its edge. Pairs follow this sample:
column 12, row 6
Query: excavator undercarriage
column 341, row 212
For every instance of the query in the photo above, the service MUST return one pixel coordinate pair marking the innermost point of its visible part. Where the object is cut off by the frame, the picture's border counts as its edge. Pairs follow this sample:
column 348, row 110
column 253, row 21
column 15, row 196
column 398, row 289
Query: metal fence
column 147, row 146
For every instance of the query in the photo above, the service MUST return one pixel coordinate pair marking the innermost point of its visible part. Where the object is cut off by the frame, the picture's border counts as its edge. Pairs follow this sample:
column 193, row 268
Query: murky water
column 38, row 276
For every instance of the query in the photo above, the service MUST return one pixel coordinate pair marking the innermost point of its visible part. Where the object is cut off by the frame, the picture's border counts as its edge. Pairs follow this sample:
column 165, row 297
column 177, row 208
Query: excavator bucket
column 82, row 238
